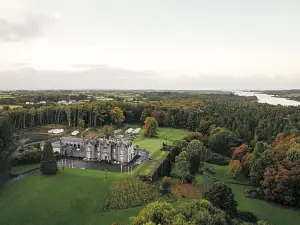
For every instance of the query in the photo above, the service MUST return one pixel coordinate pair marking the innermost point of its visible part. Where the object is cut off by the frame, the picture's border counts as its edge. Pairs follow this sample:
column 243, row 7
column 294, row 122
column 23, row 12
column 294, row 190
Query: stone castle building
column 117, row 149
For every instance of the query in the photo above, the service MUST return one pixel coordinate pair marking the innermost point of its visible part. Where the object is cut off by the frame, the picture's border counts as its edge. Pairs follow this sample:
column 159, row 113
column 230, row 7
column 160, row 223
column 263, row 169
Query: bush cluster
column 247, row 216
column 254, row 193
column 218, row 159
column 29, row 155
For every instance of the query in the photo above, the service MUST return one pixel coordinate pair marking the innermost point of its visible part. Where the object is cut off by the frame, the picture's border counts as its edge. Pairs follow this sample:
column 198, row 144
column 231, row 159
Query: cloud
column 115, row 78
column 87, row 65
column 28, row 26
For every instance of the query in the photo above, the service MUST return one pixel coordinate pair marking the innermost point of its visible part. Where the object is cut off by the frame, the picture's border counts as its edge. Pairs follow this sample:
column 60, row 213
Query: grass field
column 74, row 197
column 16, row 170
column 273, row 213
column 153, row 145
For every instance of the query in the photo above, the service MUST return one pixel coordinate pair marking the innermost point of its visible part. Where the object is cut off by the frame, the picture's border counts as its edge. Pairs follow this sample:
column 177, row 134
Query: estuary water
column 264, row 98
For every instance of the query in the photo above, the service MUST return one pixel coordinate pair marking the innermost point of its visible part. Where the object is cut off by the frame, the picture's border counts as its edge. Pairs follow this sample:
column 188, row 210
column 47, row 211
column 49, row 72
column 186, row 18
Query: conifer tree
column 48, row 161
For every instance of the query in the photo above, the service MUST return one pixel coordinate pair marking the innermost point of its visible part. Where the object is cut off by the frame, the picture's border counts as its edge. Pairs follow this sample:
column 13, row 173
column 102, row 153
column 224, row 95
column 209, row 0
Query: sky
column 152, row 44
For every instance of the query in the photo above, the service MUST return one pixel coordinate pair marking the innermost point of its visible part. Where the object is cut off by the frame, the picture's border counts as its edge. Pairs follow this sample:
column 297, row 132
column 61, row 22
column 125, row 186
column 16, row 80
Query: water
column 264, row 98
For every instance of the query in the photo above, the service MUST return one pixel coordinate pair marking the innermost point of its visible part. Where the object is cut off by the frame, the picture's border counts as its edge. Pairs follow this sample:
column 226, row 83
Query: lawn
column 153, row 145
column 273, row 213
column 16, row 170
column 74, row 196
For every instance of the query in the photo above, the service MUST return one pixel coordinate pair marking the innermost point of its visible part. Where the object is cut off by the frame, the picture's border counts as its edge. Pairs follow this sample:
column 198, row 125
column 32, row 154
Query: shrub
column 165, row 185
column 26, row 156
column 247, row 216
column 218, row 159
column 253, row 193
column 210, row 170
column 48, row 160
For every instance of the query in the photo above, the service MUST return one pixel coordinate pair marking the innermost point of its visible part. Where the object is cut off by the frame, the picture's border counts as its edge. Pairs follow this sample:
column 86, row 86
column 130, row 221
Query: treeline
column 249, row 121
column 22, row 99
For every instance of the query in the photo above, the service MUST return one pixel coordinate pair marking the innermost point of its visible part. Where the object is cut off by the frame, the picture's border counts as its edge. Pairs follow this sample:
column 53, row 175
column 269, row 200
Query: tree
column 176, row 148
column 234, row 168
column 150, row 127
column 117, row 115
column 166, row 168
column 155, row 212
column 282, row 183
column 193, row 136
column 259, row 165
column 204, row 127
column 165, row 185
column 184, row 167
column 258, row 149
column 196, row 151
column 203, row 212
column 247, row 162
column 48, row 162
column 81, row 123
column 223, row 141
column 240, row 152
column 7, row 144
column 221, row 196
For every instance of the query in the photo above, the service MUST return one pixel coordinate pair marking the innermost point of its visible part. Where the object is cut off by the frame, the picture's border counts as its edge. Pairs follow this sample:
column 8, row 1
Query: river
column 264, row 98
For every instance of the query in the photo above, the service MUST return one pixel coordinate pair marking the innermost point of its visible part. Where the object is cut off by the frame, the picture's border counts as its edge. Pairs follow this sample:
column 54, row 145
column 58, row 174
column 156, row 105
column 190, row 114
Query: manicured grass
column 16, row 170
column 74, row 196
column 153, row 145
column 275, row 214
column 222, row 174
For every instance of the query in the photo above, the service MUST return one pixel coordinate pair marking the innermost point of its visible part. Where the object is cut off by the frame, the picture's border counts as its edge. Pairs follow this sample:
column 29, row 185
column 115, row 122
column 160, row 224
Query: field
column 273, row 213
column 74, row 196
column 153, row 145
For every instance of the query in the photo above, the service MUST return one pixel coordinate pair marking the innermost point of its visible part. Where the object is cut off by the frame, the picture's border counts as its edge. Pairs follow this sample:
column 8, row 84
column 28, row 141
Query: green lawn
column 16, row 170
column 275, row 214
column 153, row 145
column 74, row 196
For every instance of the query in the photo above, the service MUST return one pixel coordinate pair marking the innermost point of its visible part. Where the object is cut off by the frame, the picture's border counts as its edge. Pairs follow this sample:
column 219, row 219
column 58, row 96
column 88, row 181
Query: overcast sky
column 172, row 44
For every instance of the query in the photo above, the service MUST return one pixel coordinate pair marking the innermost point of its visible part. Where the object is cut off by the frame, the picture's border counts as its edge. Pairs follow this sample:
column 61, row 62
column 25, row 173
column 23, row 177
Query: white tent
column 129, row 131
column 56, row 131
column 136, row 131
column 75, row 132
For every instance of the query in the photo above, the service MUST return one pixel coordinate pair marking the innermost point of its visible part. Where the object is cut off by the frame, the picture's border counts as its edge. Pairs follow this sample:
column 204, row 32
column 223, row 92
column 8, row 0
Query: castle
column 118, row 149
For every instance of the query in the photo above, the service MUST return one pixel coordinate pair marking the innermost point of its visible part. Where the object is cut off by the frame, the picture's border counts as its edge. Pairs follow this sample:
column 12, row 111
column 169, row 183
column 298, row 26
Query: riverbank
column 269, row 99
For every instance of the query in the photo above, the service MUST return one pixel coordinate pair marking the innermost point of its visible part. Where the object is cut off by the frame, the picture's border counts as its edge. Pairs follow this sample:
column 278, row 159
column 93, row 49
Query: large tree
column 223, row 141
column 196, row 152
column 150, row 127
column 221, row 196
column 156, row 212
column 117, row 115
column 48, row 162
column 183, row 166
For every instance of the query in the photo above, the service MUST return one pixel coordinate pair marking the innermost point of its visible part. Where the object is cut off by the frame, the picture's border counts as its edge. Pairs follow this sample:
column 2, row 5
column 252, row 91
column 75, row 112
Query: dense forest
column 248, row 120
